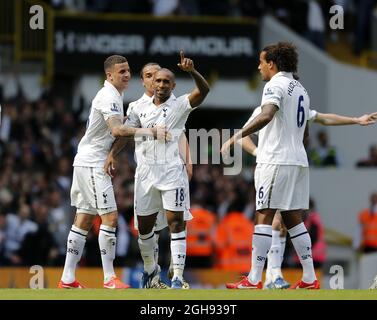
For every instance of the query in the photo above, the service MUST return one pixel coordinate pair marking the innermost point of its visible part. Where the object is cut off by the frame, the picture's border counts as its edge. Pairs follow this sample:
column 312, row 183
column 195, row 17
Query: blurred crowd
column 309, row 18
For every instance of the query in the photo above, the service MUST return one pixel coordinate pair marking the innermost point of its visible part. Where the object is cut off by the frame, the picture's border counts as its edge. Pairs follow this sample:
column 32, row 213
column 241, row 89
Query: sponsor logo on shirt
column 268, row 92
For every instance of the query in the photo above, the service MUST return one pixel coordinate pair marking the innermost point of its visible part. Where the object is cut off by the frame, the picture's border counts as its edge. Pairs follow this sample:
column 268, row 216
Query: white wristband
column 255, row 151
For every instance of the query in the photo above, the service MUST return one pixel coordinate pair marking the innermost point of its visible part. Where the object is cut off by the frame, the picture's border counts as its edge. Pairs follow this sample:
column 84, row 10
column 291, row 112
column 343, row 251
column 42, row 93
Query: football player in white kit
column 160, row 174
column 147, row 74
column 274, row 276
column 92, row 191
column 282, row 173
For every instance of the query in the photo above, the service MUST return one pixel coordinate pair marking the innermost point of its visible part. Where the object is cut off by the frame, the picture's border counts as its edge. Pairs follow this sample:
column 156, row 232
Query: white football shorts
column 283, row 187
column 92, row 191
column 161, row 220
column 160, row 187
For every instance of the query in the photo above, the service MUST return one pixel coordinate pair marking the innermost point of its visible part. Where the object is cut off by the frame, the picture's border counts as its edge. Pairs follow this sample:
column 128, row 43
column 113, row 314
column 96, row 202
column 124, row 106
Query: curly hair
column 284, row 55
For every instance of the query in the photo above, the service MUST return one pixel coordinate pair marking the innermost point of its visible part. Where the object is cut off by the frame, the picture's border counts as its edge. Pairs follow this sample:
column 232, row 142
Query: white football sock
column 107, row 245
column 274, row 256
column 303, row 246
column 146, row 245
column 75, row 246
column 282, row 247
column 261, row 244
column 156, row 248
column 268, row 270
column 178, row 253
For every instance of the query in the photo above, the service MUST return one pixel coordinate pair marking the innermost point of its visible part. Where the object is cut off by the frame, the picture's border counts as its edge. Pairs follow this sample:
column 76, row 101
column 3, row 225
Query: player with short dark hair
column 92, row 190
column 159, row 178
column 147, row 74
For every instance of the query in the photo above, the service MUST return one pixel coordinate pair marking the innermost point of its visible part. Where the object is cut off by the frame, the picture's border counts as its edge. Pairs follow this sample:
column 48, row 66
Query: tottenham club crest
column 114, row 107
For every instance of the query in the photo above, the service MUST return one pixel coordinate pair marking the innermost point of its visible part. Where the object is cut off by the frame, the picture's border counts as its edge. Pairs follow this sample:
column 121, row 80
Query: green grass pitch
column 193, row 294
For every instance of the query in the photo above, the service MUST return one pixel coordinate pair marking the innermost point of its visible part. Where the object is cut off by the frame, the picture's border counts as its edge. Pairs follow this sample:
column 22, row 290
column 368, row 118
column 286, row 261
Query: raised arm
column 201, row 90
column 331, row 119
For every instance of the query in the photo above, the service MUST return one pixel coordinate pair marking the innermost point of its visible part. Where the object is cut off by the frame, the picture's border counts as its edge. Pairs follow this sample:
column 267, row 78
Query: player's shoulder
column 180, row 99
column 139, row 103
column 105, row 94
column 272, row 87
column 280, row 81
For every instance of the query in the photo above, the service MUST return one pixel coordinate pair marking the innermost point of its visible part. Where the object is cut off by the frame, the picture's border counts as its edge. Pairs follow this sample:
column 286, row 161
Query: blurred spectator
column 214, row 7
column 165, row 7
column 324, row 155
column 2, row 236
column 200, row 237
column 8, row 115
column 252, row 9
column 59, row 220
column 372, row 160
column 73, row 5
column 233, row 245
column 313, row 223
column 17, row 227
column 364, row 10
column 189, row 7
column 366, row 235
column 316, row 24
column 123, row 241
column 129, row 6
column 39, row 247
column 64, row 175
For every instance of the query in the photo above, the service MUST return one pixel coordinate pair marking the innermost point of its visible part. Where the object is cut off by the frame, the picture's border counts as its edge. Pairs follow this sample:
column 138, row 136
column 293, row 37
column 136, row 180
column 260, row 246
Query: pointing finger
column 182, row 55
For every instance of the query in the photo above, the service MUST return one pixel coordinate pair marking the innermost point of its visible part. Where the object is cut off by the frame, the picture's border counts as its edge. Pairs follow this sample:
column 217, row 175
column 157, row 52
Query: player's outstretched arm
column 197, row 96
column 331, row 119
column 248, row 145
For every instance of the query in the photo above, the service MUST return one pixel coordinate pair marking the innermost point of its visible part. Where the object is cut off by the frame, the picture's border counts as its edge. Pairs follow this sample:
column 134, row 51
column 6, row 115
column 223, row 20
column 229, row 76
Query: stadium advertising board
column 223, row 46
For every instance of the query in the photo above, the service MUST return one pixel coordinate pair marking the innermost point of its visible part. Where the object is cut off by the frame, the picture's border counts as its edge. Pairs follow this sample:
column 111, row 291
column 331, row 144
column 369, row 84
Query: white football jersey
column 255, row 113
column 97, row 141
column 281, row 140
column 258, row 110
column 135, row 123
column 172, row 114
